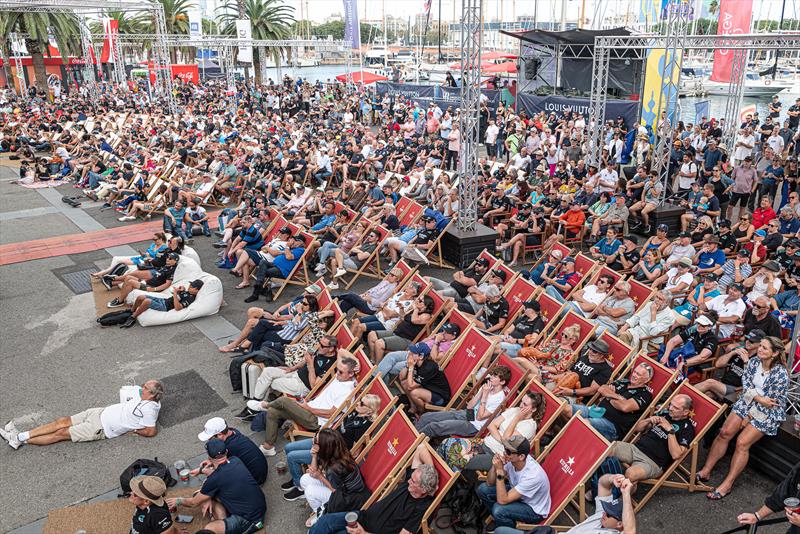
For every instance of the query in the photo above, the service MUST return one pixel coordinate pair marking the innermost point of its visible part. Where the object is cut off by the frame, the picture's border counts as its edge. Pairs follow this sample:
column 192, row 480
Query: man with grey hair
column 136, row 413
column 663, row 438
column 615, row 309
column 399, row 512
column 653, row 319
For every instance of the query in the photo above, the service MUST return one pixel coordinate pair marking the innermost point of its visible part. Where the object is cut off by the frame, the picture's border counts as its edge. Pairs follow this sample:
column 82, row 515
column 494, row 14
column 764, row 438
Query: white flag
column 244, row 31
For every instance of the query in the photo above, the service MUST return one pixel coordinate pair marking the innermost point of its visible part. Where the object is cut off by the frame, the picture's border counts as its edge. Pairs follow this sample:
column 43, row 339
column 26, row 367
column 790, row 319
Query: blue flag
column 352, row 29
column 701, row 109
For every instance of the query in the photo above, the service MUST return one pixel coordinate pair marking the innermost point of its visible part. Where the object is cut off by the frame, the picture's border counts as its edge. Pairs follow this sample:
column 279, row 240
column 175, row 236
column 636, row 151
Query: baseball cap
column 150, row 488
column 173, row 256
column 482, row 261
column 568, row 259
column 724, row 223
column 737, row 286
column 712, row 239
column 703, row 320
column 285, row 230
column 744, row 253
column 216, row 448
column 420, row 348
column 755, row 335
column 196, row 284
column 772, row 265
column 518, row 444
column 557, row 254
column 632, row 238
column 532, row 304
column 685, row 234
column 500, row 274
column 451, row 328
column 686, row 262
column 662, row 227
column 761, row 233
column 613, row 508
column 214, row 426
column 711, row 276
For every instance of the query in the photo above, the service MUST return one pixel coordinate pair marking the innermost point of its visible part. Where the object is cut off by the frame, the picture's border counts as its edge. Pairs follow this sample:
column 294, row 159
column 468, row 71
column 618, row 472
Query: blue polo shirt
column 606, row 247
column 790, row 226
column 710, row 259
column 233, row 485
column 324, row 222
column 286, row 265
column 247, row 451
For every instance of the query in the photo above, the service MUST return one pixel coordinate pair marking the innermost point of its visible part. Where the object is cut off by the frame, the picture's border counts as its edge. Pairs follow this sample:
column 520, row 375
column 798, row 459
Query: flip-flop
column 700, row 480
column 715, row 495
column 242, row 286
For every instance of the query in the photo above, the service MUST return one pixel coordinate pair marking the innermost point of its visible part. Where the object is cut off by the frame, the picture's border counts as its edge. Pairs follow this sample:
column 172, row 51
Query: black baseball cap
column 216, row 448
column 451, row 328
column 500, row 274
column 482, row 261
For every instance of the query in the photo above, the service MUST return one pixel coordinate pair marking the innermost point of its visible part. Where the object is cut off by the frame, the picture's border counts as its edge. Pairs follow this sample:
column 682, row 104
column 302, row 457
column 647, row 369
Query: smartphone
column 184, row 518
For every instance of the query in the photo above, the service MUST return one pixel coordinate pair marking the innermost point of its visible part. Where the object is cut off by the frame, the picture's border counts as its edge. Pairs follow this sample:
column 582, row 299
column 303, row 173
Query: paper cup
column 184, row 474
column 281, row 468
column 351, row 518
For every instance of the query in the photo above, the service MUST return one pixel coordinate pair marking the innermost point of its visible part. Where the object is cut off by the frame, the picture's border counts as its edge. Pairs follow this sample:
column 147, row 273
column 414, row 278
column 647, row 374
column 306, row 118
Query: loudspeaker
column 532, row 67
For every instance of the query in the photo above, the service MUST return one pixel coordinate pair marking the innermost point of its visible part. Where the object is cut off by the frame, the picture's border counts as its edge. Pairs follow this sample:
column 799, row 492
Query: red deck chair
column 388, row 450
column 402, row 205
column 492, row 262
column 585, row 266
column 619, row 354
column 412, row 213
column 447, row 477
column 464, row 359
column 595, row 275
column 299, row 273
column 553, row 408
column 388, row 399
column 516, row 293
column 704, row 414
column 551, row 310
column 275, row 227
column 663, row 379
column 455, row 316
column 640, row 293
column 440, row 309
column 371, row 267
column 511, row 274
column 435, row 254
column 407, row 271
column 418, row 278
column 344, row 336
column 570, row 318
column 569, row 461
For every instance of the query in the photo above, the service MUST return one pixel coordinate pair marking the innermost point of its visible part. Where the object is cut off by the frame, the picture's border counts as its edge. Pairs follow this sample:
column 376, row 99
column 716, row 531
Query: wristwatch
column 500, row 477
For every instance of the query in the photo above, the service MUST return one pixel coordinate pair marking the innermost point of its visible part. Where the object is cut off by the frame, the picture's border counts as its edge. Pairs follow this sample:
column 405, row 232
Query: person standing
column 789, row 487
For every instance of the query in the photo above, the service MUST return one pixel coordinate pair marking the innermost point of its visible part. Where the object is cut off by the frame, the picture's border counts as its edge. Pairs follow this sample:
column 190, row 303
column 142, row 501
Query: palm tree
column 125, row 22
column 270, row 20
column 176, row 16
column 713, row 6
column 37, row 28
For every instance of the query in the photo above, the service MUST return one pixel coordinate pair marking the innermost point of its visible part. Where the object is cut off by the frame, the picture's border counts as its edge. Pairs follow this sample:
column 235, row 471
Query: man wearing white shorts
column 137, row 413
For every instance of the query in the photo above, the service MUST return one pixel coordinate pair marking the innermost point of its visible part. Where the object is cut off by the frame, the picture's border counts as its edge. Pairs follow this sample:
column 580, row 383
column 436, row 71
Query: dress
column 765, row 420
column 294, row 352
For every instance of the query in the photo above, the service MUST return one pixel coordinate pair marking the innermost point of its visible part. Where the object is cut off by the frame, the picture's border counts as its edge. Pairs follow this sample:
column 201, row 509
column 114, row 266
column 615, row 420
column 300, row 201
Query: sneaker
column 219, row 234
column 647, row 229
column 312, row 519
column 272, row 452
column 219, row 244
column 9, row 433
column 116, row 303
column 294, row 494
column 339, row 272
column 256, row 406
column 105, row 206
column 289, row 484
column 129, row 323
column 333, row 286
column 246, row 414
column 107, row 281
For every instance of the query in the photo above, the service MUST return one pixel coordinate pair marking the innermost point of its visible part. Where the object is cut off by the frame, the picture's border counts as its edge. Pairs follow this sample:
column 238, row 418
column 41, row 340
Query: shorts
column 533, row 240
column 236, row 524
column 153, row 272
column 740, row 199
column 729, row 389
column 86, row 426
column 628, row 453
column 400, row 243
column 348, row 263
column 158, row 304
column 392, row 342
column 436, row 399
column 254, row 255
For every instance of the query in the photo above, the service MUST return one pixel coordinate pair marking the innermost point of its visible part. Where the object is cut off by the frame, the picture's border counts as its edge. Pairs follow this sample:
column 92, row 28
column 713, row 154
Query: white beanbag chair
column 189, row 252
column 208, row 301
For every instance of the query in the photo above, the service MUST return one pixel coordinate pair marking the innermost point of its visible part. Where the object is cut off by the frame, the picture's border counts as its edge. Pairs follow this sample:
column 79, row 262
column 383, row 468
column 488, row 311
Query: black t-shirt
column 152, row 520
column 769, row 324
column 321, row 366
column 184, row 297
column 233, row 485
column 524, row 326
column 654, row 442
column 406, row 329
column 773, row 241
column 622, row 420
column 395, row 512
column 589, row 372
column 353, row 427
column 633, row 256
column 495, row 311
column 708, row 341
column 460, row 288
column 727, row 241
column 426, row 236
column 248, row 452
column 162, row 275
column 430, row 377
column 733, row 372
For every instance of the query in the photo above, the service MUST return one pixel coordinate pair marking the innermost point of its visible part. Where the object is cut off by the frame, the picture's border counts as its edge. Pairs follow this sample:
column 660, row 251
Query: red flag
column 734, row 18
column 111, row 29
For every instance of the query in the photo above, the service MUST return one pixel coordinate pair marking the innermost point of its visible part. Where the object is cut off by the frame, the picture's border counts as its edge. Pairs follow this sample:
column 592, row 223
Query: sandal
column 700, row 480
column 716, row 495
column 243, row 285
column 226, row 349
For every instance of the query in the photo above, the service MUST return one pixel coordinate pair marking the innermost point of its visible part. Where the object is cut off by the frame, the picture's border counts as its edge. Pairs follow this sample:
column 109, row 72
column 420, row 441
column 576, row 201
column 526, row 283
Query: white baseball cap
column 214, row 426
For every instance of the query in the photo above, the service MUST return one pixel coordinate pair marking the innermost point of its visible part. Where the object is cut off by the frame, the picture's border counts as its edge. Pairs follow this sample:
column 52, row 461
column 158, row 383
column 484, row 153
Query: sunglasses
column 510, row 452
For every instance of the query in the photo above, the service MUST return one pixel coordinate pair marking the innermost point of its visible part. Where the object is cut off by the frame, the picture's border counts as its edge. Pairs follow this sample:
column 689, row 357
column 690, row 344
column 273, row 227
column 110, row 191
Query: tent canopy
column 508, row 66
column 364, row 77
column 569, row 37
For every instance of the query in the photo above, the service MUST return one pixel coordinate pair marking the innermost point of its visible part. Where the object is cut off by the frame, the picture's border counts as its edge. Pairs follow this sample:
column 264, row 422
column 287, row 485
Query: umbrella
column 363, row 76
column 457, row 66
column 497, row 55
column 508, row 66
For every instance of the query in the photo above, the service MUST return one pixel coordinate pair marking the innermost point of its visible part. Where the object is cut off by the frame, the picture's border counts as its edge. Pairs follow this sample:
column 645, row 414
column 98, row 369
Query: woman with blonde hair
column 758, row 412
column 555, row 356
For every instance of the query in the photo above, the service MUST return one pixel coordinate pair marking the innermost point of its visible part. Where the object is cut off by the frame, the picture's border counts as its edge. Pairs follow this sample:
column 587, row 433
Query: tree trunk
column 39, row 70
column 257, row 59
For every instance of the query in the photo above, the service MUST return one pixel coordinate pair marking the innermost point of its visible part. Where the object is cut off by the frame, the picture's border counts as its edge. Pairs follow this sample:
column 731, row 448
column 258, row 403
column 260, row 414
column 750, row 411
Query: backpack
column 119, row 269
column 461, row 509
column 142, row 467
column 114, row 318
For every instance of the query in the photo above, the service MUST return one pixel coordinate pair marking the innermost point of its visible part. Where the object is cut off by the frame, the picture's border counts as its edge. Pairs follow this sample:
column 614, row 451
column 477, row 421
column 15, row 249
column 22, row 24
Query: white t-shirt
column 742, row 152
column 491, row 134
column 532, row 483
column 593, row 524
column 760, row 287
column 605, row 178
column 133, row 414
column 492, row 402
column 685, row 182
column 332, row 396
column 679, row 251
column 518, row 162
column 673, row 280
column 726, row 309
column 62, row 153
column 591, row 294
column 776, row 142
column 525, row 428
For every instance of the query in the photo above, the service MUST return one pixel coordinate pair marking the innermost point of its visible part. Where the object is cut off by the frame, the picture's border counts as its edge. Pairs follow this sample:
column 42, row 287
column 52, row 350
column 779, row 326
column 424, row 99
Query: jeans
column 507, row 530
column 330, row 524
column 94, row 179
column 204, row 224
column 506, row 515
column 555, row 293
column 601, row 424
column 326, row 251
column 447, row 423
column 226, row 215
column 265, row 331
column 266, row 269
column 298, row 453
column 443, row 288
column 391, row 364
column 351, row 300
column 173, row 228
column 510, row 348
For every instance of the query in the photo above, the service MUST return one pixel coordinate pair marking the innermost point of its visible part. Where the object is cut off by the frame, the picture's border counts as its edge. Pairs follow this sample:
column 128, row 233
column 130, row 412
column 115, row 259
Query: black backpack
column 142, row 467
column 461, row 509
column 114, row 318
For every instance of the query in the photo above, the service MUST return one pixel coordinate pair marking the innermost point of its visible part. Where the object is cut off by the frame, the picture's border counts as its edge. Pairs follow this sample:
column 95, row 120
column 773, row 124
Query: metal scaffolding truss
column 16, row 45
column 217, row 41
column 471, row 38
column 89, row 79
column 744, row 41
column 84, row 6
column 735, row 93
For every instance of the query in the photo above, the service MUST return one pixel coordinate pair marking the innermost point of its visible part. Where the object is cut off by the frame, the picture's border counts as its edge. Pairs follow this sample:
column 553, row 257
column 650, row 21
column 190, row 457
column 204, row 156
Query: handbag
column 569, row 380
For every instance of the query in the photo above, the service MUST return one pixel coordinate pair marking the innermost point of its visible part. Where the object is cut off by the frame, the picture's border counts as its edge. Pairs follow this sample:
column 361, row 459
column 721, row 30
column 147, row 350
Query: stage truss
column 469, row 119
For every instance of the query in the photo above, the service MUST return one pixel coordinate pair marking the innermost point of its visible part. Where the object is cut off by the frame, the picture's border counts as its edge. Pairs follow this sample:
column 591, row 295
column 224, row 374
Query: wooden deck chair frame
column 640, row 293
column 298, row 276
column 453, row 358
column 551, row 310
column 412, row 214
column 657, row 392
column 519, row 375
column 620, row 353
column 595, row 274
column 568, row 319
column 554, row 405
column 376, row 386
column 576, row 495
column 390, row 443
column 517, row 293
column 686, row 478
column 440, row 308
column 371, row 267
column 434, row 254
column 447, row 477
column 456, row 316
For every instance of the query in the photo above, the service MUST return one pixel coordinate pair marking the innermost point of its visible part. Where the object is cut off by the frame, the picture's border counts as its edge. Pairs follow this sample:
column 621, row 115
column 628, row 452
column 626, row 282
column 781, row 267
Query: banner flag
column 701, row 109
column 352, row 28
column 734, row 18
column 244, row 31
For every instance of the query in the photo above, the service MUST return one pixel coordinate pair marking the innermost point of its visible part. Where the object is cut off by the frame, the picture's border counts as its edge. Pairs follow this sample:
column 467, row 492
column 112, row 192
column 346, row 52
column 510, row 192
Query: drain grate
column 76, row 277
column 187, row 396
